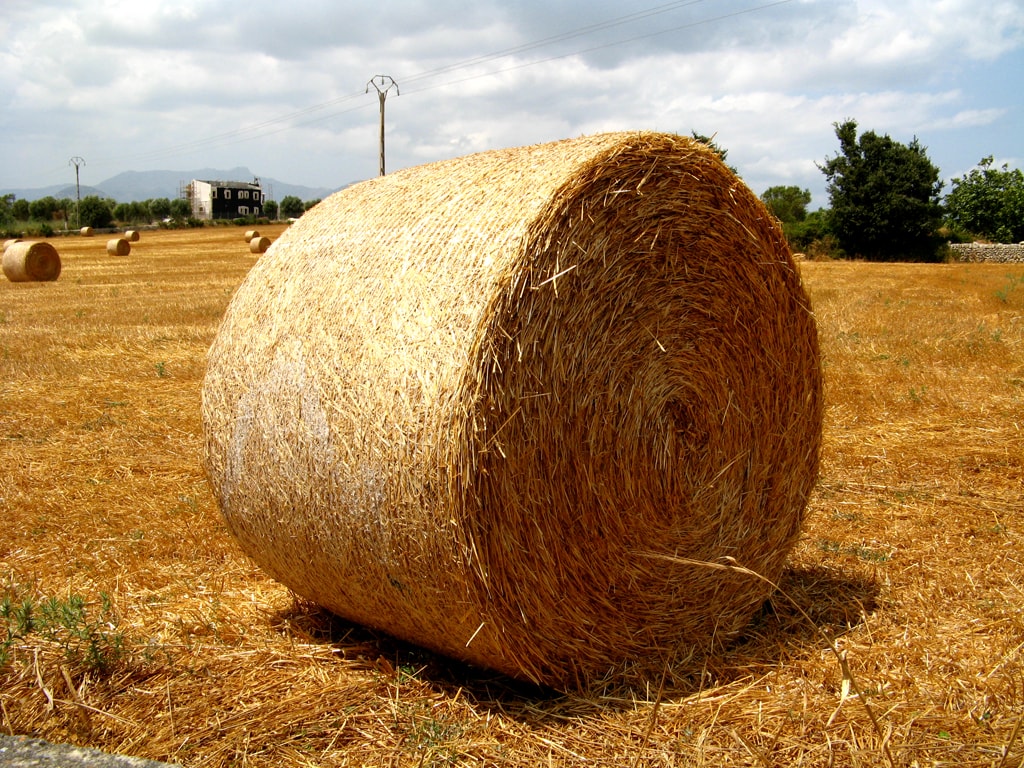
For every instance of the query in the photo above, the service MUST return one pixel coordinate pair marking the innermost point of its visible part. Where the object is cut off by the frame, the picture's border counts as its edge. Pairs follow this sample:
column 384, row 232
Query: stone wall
column 998, row 252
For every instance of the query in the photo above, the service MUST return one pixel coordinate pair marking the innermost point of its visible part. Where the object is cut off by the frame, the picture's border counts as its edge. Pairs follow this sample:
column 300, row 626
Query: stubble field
column 897, row 637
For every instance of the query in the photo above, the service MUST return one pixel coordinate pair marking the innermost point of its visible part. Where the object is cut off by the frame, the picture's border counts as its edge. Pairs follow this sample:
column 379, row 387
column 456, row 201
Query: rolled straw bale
column 250, row 234
column 259, row 244
column 510, row 406
column 118, row 246
column 29, row 261
column 85, row 231
column 131, row 235
column 11, row 241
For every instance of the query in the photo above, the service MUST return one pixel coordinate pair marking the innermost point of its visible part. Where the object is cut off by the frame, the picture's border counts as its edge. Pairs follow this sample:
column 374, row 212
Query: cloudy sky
column 280, row 87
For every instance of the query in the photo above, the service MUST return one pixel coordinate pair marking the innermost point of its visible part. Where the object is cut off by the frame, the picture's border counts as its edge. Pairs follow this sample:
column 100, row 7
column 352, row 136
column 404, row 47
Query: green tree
column 710, row 141
column 134, row 212
column 884, row 197
column 180, row 208
column 292, row 207
column 160, row 207
column 6, row 209
column 95, row 211
column 20, row 209
column 811, row 235
column 988, row 202
column 65, row 206
column 270, row 209
column 787, row 204
column 44, row 208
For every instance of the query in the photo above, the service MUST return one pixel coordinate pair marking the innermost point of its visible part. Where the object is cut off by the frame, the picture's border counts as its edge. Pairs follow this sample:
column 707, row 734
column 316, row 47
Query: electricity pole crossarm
column 383, row 84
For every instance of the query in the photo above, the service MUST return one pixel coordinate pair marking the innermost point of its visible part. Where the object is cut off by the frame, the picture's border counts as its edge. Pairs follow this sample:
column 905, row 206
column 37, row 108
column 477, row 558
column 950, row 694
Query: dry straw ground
column 910, row 564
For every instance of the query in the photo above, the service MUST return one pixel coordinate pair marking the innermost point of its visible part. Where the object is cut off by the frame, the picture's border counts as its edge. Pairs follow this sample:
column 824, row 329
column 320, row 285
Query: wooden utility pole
column 77, row 161
column 383, row 84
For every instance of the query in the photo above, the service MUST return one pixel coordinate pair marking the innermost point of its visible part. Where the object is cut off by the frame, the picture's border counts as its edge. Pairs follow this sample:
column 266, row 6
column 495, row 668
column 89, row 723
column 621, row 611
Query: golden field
column 897, row 636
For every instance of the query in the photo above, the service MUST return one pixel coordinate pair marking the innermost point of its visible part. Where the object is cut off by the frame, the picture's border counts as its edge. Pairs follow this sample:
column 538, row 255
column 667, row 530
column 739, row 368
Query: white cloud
column 279, row 87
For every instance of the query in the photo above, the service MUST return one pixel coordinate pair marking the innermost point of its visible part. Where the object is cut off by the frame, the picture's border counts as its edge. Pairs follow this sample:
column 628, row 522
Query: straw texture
column 259, row 244
column 26, row 261
column 118, row 246
column 498, row 405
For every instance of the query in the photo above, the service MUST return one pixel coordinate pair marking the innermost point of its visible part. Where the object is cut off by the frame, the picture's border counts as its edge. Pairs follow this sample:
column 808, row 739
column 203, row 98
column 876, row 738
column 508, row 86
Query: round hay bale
column 25, row 262
column 118, row 246
column 250, row 234
column 259, row 244
column 516, row 407
column 85, row 231
column 10, row 242
column 131, row 235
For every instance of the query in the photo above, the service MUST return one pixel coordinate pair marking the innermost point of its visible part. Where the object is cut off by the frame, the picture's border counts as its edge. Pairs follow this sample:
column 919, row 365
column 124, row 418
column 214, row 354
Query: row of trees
column 885, row 202
column 49, row 212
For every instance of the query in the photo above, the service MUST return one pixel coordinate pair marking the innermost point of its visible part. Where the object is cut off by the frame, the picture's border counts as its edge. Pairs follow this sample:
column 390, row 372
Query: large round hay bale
column 131, row 235
column 250, row 234
column 27, row 261
column 85, row 231
column 259, row 244
column 118, row 246
column 507, row 406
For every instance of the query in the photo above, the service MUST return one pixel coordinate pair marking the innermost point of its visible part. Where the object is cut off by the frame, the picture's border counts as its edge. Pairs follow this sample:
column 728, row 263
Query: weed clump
column 89, row 640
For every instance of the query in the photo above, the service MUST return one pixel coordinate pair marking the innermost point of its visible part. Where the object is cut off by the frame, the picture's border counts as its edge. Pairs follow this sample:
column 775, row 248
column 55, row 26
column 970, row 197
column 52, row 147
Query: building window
column 227, row 194
column 243, row 210
column 213, row 193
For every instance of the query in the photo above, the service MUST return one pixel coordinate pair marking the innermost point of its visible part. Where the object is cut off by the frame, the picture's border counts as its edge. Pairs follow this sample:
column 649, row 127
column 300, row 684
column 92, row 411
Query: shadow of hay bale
column 835, row 601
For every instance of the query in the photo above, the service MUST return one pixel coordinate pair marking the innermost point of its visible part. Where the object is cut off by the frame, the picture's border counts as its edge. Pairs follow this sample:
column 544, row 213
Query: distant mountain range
column 148, row 185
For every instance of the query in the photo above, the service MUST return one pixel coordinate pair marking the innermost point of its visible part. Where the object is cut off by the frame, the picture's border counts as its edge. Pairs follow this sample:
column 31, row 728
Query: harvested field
column 897, row 637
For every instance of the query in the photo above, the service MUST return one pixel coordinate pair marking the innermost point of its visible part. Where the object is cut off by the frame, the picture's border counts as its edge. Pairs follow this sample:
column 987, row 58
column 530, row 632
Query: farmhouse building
column 225, row 199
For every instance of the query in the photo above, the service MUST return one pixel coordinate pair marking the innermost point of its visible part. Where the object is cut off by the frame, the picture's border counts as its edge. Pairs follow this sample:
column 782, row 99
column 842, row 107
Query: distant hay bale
column 259, row 244
column 131, row 235
column 25, row 262
column 10, row 242
column 508, row 406
column 118, row 246
column 85, row 231
column 250, row 234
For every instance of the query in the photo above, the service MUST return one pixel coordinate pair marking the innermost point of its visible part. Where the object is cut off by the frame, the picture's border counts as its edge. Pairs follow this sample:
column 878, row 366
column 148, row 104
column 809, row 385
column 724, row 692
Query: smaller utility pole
column 77, row 161
column 383, row 84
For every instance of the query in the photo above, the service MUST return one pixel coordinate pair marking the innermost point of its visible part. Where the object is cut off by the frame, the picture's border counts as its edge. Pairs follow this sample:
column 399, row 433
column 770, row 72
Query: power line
column 598, row 27
column 604, row 46
column 286, row 121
